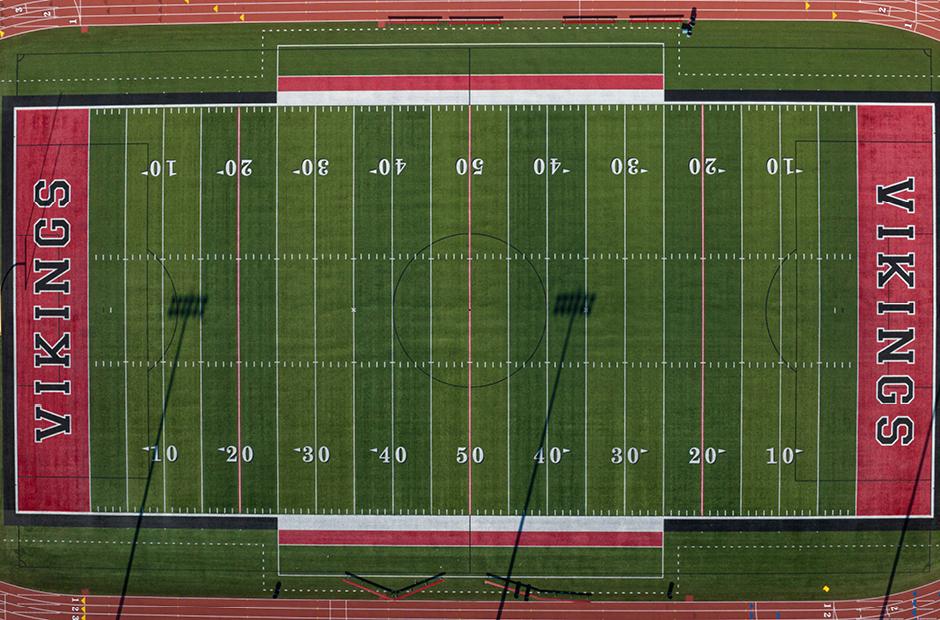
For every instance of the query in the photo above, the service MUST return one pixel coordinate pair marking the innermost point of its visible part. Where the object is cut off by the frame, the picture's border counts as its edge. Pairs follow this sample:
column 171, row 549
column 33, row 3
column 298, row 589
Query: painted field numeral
column 231, row 454
column 710, row 454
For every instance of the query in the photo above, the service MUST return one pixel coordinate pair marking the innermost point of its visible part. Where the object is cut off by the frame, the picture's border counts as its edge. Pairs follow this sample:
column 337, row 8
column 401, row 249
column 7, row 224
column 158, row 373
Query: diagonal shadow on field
column 180, row 306
column 574, row 305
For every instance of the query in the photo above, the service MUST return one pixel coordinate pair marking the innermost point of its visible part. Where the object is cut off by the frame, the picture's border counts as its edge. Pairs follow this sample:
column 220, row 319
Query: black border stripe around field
column 671, row 524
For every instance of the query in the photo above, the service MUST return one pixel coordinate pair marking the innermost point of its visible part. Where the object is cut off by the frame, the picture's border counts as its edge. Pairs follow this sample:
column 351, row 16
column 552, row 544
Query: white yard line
column 202, row 492
column 277, row 313
column 127, row 483
column 391, row 279
column 741, row 381
column 165, row 436
column 857, row 317
column 545, row 446
column 585, row 430
column 780, row 306
column 818, row 299
column 316, row 353
column 87, row 304
column 431, row 309
column 508, row 321
column 353, row 267
column 624, row 447
column 663, row 164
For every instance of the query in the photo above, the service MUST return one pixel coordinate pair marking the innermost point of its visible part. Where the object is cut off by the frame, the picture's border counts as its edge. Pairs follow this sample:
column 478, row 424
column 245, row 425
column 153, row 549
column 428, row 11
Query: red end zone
column 895, row 310
column 51, row 310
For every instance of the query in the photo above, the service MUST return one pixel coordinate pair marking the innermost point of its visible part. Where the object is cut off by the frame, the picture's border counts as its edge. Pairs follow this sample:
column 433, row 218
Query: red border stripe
column 894, row 143
column 52, row 473
column 453, row 538
column 306, row 83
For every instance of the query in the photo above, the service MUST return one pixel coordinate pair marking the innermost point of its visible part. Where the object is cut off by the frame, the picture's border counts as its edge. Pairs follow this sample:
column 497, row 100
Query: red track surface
column 22, row 604
column 19, row 16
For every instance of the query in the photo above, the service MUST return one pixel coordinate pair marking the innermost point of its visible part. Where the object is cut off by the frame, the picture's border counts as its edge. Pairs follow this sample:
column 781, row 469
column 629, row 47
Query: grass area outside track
column 242, row 57
column 626, row 57
column 772, row 565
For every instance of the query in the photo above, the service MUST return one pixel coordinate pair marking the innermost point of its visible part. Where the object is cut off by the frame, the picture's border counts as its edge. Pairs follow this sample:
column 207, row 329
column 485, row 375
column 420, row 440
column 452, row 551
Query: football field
column 377, row 310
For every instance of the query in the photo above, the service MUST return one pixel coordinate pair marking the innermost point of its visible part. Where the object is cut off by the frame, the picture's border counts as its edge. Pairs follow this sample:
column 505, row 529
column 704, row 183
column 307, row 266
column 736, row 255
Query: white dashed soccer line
column 460, row 257
column 484, row 364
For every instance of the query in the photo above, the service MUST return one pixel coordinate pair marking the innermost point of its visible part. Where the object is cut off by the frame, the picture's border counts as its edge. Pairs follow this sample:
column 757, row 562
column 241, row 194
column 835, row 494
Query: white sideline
column 474, row 97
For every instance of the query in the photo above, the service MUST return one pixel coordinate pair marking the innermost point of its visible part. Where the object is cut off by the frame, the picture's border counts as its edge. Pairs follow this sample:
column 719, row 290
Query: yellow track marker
column 825, row 588
column 215, row 9
column 1, row 34
column 834, row 15
column 241, row 17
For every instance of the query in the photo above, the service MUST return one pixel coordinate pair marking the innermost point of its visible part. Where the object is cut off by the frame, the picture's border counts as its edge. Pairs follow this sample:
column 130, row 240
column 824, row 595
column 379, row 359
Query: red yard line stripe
column 238, row 292
column 469, row 310
column 702, row 361
column 369, row 590
column 421, row 589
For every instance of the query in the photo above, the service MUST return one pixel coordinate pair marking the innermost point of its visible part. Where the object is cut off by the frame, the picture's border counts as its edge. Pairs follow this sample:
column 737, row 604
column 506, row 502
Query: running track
column 20, row 16
column 22, row 604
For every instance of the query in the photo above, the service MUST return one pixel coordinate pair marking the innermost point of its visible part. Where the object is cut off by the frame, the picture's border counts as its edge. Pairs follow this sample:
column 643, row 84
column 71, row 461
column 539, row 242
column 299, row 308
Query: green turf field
column 334, row 267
